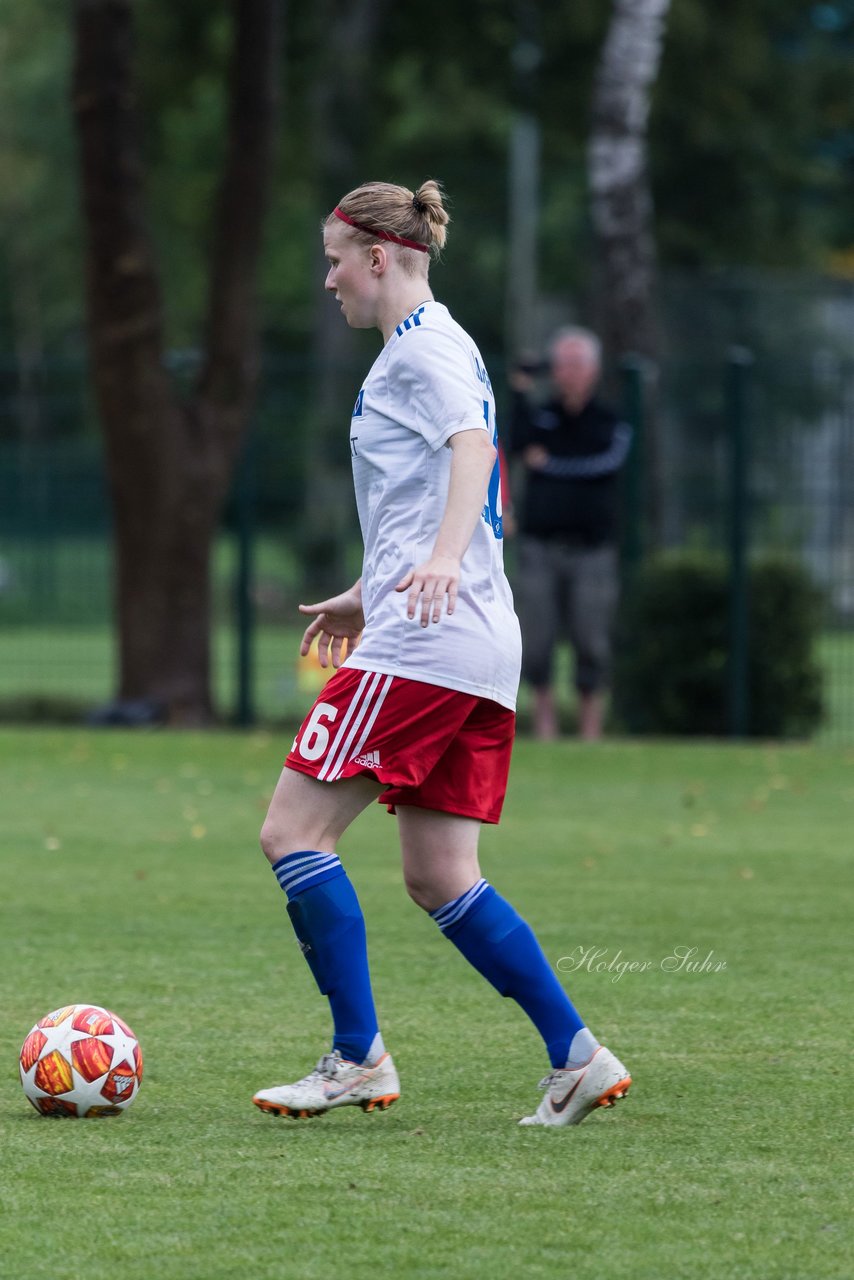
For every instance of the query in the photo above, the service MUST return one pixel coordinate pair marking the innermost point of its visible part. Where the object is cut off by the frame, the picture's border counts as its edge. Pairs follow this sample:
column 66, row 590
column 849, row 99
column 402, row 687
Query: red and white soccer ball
column 81, row 1060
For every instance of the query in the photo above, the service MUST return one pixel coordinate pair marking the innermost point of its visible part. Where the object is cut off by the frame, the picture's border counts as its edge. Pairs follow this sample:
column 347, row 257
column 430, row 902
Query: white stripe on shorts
column 360, row 745
column 361, row 714
column 344, row 725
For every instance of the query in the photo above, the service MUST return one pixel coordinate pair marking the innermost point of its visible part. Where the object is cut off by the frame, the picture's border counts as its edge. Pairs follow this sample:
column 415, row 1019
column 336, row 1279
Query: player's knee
column 421, row 890
column 284, row 833
column 266, row 839
column 271, row 840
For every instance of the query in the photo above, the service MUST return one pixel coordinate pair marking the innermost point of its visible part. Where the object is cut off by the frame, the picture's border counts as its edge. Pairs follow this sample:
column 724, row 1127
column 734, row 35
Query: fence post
column 243, row 603
column 632, row 374
column 738, row 372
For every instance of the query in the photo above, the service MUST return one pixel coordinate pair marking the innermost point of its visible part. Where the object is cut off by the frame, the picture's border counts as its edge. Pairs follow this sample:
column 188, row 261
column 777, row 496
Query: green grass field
column 131, row 877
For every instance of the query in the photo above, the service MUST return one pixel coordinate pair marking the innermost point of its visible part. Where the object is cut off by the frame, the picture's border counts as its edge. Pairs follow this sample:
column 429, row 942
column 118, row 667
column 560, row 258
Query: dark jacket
column 575, row 499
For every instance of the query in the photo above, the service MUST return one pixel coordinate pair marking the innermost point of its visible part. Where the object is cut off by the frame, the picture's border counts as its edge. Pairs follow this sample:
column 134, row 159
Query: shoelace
column 549, row 1080
column 327, row 1068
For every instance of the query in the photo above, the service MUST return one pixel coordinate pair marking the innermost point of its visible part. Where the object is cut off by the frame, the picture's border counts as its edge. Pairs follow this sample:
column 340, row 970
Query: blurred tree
column 751, row 149
column 39, row 232
column 523, row 181
column 170, row 457
column 342, row 102
column 444, row 113
column 621, row 202
column 752, row 134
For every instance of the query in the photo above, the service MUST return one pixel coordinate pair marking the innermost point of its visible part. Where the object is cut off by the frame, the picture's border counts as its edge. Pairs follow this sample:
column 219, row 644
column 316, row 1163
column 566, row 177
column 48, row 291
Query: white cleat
column 334, row 1082
column 573, row 1094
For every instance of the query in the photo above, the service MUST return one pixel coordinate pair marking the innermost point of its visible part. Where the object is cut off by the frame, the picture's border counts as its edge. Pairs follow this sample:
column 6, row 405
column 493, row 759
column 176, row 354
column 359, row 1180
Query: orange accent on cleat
column 572, row 1093
column 611, row 1096
column 276, row 1109
column 334, row 1082
column 383, row 1103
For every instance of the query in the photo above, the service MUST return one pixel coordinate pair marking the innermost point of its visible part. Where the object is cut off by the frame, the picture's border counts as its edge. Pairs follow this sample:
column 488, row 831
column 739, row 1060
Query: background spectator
column 572, row 447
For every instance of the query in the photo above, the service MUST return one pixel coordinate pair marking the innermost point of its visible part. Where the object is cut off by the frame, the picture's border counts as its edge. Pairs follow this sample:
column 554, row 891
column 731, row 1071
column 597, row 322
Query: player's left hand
column 431, row 583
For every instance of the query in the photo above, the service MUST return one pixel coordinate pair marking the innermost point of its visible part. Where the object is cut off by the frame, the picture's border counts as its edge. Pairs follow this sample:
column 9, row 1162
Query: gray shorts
column 566, row 592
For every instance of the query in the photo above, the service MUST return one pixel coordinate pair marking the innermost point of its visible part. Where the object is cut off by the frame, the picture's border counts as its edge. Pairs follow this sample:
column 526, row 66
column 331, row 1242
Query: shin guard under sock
column 330, row 929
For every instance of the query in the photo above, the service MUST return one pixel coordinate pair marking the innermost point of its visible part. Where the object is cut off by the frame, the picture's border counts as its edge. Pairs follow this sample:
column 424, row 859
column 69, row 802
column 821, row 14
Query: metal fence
column 756, row 404
column 754, row 452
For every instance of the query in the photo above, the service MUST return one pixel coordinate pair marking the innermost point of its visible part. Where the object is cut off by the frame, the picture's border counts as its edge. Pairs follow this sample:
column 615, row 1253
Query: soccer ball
column 81, row 1060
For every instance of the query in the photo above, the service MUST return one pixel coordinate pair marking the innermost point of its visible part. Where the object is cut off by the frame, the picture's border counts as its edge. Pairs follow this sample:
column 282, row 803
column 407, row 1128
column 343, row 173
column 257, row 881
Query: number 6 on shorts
column 315, row 736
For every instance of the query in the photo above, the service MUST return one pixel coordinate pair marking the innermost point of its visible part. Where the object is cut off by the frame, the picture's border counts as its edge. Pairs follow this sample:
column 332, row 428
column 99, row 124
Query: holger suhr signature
column 600, row 960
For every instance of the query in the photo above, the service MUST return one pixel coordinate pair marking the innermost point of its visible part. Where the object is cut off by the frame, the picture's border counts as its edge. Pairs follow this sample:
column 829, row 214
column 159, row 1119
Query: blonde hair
column 383, row 207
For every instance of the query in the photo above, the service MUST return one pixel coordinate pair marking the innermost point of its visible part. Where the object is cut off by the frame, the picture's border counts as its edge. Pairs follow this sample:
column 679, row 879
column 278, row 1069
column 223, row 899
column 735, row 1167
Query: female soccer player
column 420, row 711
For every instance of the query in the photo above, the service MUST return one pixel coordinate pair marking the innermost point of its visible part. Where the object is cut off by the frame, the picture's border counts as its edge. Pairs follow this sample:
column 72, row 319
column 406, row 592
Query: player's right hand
column 338, row 623
column 429, row 585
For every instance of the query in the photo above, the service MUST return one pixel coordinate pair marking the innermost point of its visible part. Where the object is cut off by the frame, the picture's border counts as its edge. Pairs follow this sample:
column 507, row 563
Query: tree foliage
column 751, row 146
column 753, row 135
column 40, row 296
column 673, row 672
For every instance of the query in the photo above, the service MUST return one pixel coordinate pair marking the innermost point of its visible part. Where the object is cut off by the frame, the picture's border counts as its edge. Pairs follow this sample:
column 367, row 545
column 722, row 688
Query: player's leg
column 300, row 834
column 439, row 824
column 366, row 730
column 442, row 875
column 305, row 813
column 439, row 853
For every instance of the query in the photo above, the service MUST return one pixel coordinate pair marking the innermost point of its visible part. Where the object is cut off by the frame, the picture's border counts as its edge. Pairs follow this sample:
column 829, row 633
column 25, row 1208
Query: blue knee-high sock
column 501, row 945
column 330, row 929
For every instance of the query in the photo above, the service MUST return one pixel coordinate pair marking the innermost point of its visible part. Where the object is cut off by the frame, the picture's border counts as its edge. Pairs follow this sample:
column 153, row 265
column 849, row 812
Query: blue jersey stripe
column 412, row 320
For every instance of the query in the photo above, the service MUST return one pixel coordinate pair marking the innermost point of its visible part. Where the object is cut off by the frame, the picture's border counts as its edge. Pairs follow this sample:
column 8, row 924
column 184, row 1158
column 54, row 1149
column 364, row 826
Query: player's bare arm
column 437, row 578
column 338, row 623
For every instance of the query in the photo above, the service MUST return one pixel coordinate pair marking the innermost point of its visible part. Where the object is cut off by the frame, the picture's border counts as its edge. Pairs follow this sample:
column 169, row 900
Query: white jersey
column 428, row 383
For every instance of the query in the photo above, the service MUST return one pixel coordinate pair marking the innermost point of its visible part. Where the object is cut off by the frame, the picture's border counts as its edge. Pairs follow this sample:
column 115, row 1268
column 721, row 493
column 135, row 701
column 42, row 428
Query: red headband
column 381, row 235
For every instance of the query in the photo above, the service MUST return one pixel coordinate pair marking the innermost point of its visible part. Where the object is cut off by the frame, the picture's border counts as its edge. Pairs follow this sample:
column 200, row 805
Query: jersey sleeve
column 436, row 386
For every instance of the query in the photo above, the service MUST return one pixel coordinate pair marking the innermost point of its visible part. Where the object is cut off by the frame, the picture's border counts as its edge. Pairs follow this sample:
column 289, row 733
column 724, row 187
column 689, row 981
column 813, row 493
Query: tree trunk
column 622, row 210
column 621, row 202
column 169, row 460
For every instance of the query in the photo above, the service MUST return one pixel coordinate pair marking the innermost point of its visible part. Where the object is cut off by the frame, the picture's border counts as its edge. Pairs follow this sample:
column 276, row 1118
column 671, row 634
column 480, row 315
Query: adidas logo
column 370, row 760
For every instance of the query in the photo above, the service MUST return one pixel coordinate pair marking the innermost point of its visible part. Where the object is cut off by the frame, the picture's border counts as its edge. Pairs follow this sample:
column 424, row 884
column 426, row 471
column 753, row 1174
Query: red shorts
column 432, row 747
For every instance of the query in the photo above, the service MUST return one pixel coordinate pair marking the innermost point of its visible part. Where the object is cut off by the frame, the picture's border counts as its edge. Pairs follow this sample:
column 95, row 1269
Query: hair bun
column 385, row 211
